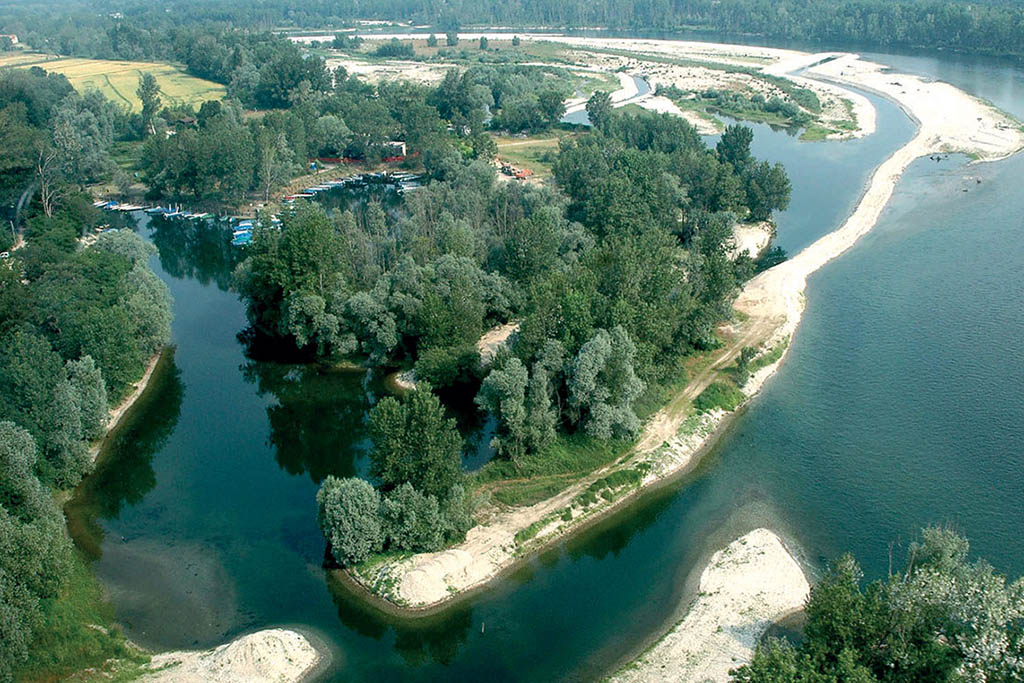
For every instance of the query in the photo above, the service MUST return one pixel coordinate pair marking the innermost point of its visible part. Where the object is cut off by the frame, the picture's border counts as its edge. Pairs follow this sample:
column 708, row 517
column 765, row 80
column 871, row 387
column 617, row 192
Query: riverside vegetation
column 615, row 280
column 77, row 327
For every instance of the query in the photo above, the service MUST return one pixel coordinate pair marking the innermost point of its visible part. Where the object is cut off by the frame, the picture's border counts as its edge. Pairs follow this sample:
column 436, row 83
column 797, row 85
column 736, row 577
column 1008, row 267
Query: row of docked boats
column 402, row 181
column 241, row 228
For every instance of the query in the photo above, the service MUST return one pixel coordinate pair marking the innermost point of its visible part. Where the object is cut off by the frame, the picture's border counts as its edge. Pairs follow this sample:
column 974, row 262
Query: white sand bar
column 750, row 584
column 273, row 655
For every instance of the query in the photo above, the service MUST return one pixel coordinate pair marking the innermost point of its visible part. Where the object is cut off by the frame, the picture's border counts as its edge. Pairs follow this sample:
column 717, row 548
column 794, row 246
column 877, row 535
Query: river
column 899, row 405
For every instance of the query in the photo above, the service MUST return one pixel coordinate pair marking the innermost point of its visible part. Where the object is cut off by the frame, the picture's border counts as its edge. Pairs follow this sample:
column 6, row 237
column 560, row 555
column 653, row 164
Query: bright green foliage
column 414, row 442
column 719, row 395
column 942, row 618
column 734, row 146
column 348, row 513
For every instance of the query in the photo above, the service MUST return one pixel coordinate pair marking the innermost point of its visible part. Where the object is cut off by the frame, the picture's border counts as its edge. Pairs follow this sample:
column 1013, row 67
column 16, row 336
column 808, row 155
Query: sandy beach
column 745, row 588
column 118, row 411
column 271, row 656
column 949, row 120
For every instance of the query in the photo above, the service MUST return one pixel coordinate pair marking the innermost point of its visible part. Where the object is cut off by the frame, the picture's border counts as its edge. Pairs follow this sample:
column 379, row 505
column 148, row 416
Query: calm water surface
column 899, row 405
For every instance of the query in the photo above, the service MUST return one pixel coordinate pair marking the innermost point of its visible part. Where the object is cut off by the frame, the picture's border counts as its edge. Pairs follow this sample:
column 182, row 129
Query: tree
column 552, row 105
column 503, row 395
column 348, row 511
column 414, row 442
column 412, row 520
column 941, row 618
column 768, row 189
column 599, row 109
column 451, row 38
column 603, row 385
column 91, row 393
column 515, row 41
column 19, row 489
column 483, row 42
column 734, row 146
column 432, row 40
column 149, row 94
column 274, row 162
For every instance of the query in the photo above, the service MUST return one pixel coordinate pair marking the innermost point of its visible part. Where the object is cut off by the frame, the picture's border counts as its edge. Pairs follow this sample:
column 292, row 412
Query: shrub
column 719, row 395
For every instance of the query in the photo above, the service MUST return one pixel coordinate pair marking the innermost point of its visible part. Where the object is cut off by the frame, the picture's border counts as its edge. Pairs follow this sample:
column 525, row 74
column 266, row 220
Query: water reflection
column 124, row 471
column 196, row 250
column 317, row 418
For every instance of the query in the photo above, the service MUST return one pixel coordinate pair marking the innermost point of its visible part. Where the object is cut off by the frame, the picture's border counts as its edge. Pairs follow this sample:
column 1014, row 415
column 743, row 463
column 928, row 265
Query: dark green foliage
column 412, row 520
column 443, row 367
column 413, row 442
column 395, row 48
column 349, row 516
column 936, row 620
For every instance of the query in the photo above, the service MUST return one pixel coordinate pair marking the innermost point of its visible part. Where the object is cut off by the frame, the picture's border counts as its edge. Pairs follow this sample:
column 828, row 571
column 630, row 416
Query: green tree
column 599, row 109
column 603, row 385
column 451, row 38
column 414, row 442
column 734, row 146
column 503, row 395
column 91, row 394
column 768, row 189
column 412, row 520
column 432, row 40
column 483, row 42
column 149, row 94
column 348, row 511
column 941, row 618
column 552, row 105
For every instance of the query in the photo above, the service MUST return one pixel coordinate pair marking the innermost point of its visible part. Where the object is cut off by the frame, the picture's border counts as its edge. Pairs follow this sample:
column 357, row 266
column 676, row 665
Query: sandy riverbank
column 950, row 121
column 273, row 655
column 745, row 588
column 118, row 412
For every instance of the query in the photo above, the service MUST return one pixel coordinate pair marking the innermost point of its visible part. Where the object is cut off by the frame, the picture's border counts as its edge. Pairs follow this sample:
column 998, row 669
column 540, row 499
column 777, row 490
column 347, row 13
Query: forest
column 81, row 314
column 143, row 30
column 612, row 278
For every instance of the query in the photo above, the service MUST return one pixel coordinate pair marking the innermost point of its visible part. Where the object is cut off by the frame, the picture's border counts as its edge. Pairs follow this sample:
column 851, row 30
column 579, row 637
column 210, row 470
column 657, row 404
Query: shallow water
column 898, row 405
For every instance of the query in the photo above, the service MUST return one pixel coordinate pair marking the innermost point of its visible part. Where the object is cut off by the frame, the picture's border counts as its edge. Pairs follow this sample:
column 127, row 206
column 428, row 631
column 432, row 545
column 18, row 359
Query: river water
column 899, row 405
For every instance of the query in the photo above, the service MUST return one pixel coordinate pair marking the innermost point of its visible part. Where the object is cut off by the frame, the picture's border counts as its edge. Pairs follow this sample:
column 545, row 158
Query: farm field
column 119, row 80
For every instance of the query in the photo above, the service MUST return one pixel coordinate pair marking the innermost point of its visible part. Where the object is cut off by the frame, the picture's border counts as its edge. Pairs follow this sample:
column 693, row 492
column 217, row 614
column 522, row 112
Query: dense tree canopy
column 943, row 618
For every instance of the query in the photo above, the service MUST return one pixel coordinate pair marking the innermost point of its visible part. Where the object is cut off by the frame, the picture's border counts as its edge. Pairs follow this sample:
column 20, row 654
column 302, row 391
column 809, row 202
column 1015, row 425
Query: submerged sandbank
column 745, row 588
column 117, row 413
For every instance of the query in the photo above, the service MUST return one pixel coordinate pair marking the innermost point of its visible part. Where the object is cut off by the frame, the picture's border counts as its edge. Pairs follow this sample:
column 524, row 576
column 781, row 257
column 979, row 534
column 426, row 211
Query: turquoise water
column 898, row 405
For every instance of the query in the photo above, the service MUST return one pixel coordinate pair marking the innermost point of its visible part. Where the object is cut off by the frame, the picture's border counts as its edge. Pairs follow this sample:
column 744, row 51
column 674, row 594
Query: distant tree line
column 146, row 31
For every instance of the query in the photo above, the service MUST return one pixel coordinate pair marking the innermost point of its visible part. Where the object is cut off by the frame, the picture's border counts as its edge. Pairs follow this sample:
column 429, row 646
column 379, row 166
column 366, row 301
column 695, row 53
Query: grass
column 724, row 395
column 118, row 80
column 77, row 635
column 536, row 152
column 545, row 474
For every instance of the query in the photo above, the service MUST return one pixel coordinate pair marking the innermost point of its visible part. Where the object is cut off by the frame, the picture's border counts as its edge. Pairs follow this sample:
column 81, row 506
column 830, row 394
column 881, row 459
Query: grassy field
column 536, row 152
column 119, row 80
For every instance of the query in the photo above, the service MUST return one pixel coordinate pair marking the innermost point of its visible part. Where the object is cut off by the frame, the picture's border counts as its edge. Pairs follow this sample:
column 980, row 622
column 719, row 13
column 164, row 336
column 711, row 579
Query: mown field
column 119, row 80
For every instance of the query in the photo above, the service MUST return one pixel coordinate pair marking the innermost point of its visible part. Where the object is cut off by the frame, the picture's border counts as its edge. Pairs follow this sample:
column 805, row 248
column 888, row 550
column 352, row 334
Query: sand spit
column 950, row 121
column 273, row 655
column 750, row 584
column 751, row 238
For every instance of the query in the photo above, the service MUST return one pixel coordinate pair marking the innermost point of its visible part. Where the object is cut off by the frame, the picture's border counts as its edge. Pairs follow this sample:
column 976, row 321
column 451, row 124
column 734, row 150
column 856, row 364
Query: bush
column 445, row 367
column 349, row 516
column 719, row 395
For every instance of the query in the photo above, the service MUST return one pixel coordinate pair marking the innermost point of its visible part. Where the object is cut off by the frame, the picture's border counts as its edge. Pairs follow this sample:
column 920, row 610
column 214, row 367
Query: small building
column 11, row 37
column 395, row 148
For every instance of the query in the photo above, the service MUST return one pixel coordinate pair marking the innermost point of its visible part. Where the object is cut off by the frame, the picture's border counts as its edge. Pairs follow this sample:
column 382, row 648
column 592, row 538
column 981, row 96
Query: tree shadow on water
column 124, row 468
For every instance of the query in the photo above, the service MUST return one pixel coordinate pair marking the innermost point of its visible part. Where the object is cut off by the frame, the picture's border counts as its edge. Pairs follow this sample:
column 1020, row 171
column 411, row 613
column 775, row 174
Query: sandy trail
column 750, row 584
column 950, row 121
